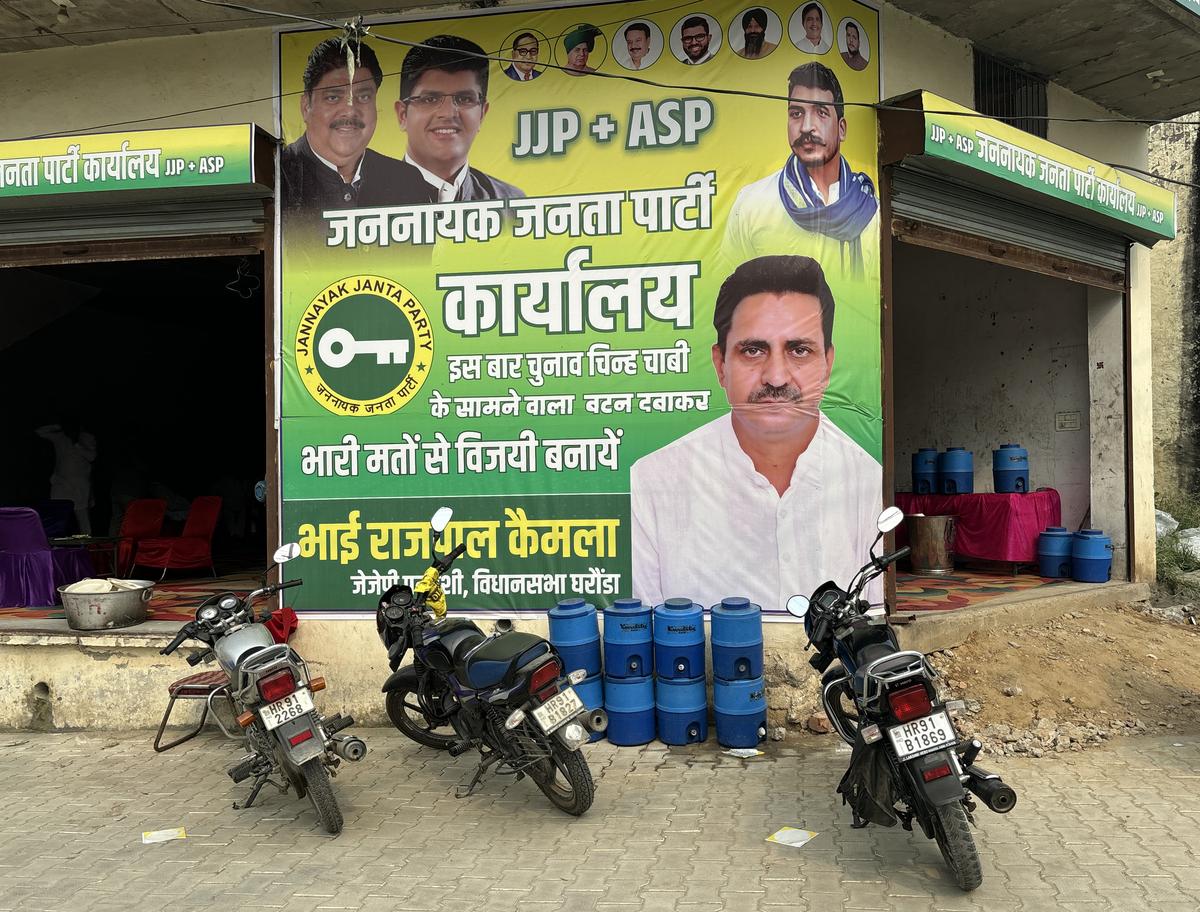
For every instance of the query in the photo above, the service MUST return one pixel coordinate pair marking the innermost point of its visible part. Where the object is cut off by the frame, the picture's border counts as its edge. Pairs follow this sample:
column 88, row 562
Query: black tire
column 953, row 833
column 404, row 709
column 320, row 793
column 565, row 779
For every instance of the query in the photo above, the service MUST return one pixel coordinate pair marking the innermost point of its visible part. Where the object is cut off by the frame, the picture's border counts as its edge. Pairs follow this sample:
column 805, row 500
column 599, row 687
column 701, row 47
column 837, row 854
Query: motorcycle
column 908, row 762
column 504, row 695
column 270, row 690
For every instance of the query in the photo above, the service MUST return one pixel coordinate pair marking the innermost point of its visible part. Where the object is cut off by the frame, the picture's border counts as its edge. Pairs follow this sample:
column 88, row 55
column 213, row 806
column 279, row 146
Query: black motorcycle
column 503, row 695
column 908, row 762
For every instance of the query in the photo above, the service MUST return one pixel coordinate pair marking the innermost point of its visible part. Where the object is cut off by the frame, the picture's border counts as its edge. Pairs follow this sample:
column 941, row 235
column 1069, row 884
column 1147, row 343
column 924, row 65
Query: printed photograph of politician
column 853, row 44
column 810, row 29
column 695, row 39
column 441, row 109
column 638, row 45
column 585, row 48
column 816, row 204
column 771, row 498
column 755, row 33
column 524, row 50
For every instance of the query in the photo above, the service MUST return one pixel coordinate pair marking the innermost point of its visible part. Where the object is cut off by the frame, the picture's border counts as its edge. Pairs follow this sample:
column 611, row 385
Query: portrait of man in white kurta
column 771, row 498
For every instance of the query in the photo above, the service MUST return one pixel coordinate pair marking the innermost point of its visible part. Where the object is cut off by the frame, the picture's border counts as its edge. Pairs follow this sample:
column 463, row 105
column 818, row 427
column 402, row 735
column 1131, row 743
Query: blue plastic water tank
column 575, row 633
column 681, row 708
column 679, row 639
column 628, row 639
column 1054, row 552
column 925, row 471
column 591, row 692
column 956, row 471
column 629, row 703
column 737, row 639
column 1010, row 469
column 1091, row 556
column 741, row 712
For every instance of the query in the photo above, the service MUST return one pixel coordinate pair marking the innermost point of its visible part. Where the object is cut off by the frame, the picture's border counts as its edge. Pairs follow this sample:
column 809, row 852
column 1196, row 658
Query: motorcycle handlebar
column 289, row 584
column 184, row 633
column 894, row 556
column 444, row 564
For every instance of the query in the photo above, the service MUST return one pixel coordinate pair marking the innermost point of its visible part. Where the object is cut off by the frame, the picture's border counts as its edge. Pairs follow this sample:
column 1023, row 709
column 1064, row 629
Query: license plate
column 922, row 736
column 294, row 704
column 558, row 709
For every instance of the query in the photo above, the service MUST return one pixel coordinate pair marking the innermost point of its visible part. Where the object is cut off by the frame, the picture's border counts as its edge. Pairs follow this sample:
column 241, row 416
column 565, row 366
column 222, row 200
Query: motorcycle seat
column 451, row 642
column 495, row 660
column 870, row 653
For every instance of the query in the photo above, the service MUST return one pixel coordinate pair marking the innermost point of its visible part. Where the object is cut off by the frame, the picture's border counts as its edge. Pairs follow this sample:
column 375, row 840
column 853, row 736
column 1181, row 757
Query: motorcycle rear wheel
column 404, row 709
column 320, row 793
column 565, row 779
column 953, row 833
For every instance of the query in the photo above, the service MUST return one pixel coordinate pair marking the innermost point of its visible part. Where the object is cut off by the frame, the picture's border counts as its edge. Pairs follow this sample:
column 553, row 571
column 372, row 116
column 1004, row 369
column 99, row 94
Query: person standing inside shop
column 74, row 453
column 330, row 166
column 815, row 205
column 442, row 107
column 771, row 498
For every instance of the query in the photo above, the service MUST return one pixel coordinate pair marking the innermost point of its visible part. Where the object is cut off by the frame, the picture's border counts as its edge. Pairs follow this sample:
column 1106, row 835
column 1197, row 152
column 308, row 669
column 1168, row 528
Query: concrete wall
column 917, row 55
column 1109, row 425
column 984, row 355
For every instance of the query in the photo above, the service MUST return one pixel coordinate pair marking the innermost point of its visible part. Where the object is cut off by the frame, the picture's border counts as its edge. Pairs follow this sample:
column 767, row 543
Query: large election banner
column 603, row 279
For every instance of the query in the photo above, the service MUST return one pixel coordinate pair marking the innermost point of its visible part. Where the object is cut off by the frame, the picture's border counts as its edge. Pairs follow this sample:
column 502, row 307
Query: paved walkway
column 1115, row 828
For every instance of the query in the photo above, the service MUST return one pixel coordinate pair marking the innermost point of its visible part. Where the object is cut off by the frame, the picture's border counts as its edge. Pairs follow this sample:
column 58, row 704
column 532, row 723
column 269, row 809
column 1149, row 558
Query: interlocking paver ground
column 671, row 831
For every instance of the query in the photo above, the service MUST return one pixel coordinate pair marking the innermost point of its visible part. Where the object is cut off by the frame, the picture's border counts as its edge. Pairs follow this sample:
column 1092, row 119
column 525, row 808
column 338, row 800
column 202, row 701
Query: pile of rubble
column 1046, row 737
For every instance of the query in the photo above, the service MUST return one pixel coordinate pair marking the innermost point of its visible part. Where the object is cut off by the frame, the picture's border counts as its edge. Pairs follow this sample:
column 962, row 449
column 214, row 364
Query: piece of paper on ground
column 163, row 835
column 792, row 836
column 744, row 752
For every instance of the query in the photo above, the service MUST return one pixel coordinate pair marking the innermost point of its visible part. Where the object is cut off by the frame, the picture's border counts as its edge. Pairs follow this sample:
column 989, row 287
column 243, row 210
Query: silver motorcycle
column 270, row 690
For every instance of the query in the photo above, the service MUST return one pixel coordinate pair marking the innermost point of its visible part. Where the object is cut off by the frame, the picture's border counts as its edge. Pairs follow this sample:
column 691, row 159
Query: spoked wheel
column 404, row 709
column 320, row 793
column 953, row 833
column 565, row 778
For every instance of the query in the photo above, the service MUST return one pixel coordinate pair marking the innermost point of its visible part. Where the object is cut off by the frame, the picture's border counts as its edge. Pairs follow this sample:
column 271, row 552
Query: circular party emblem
column 364, row 346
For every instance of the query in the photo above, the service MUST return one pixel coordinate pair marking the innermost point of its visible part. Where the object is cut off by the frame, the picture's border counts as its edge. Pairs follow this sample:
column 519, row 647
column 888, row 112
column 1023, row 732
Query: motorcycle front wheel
column 565, row 778
column 953, row 833
column 320, row 793
column 404, row 709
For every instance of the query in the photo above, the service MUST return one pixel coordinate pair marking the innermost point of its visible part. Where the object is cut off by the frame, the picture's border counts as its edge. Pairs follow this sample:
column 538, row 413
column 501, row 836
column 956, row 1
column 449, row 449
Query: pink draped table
column 996, row 527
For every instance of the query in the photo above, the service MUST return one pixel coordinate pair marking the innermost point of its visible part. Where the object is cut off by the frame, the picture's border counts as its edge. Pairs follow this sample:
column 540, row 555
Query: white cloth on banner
column 707, row 525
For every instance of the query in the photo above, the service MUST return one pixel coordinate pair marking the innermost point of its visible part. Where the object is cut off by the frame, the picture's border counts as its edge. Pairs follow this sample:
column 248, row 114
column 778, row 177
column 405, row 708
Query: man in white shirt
column 771, row 499
column 695, row 37
column 813, row 20
column 815, row 205
column 637, row 43
column 443, row 103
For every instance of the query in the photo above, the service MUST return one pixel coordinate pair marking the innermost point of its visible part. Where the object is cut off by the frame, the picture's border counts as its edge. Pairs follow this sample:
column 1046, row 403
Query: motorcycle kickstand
column 465, row 791
column 856, row 822
column 258, row 784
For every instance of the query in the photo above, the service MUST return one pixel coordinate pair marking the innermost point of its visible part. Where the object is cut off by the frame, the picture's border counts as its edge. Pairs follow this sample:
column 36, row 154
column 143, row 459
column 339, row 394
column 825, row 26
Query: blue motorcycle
column 504, row 695
column 908, row 762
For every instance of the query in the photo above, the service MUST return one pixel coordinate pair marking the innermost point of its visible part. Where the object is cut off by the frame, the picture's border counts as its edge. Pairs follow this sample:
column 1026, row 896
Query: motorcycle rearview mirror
column 441, row 519
column 797, row 605
column 285, row 553
column 889, row 519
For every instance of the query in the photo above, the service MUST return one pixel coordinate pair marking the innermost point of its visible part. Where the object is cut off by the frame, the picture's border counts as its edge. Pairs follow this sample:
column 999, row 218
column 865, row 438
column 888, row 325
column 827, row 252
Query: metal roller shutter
column 933, row 198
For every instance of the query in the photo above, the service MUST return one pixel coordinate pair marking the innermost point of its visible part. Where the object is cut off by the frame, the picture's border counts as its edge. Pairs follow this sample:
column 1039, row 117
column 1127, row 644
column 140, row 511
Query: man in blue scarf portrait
column 816, row 205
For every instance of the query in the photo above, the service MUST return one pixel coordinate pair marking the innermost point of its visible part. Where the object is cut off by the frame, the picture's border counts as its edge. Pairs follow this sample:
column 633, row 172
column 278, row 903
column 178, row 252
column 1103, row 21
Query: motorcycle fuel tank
column 230, row 649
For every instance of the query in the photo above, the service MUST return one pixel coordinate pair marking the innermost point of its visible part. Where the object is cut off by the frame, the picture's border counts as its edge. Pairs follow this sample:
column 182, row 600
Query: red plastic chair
column 143, row 519
column 189, row 551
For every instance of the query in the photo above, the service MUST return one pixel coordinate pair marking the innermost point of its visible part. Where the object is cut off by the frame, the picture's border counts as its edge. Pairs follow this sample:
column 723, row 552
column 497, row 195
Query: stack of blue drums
column 925, row 471
column 1091, row 556
column 575, row 633
column 956, row 471
column 1010, row 469
column 681, row 698
column 629, row 672
column 739, row 691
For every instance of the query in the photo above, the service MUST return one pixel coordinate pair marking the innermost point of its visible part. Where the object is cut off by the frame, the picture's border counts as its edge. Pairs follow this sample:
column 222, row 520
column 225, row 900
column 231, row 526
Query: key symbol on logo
column 338, row 347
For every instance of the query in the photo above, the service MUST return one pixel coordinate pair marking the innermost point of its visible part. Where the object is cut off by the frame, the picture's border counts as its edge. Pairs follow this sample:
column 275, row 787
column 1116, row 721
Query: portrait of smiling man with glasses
column 442, row 106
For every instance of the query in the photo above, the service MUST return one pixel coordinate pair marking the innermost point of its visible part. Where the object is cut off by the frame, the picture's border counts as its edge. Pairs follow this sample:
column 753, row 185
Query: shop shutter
column 132, row 221
column 937, row 200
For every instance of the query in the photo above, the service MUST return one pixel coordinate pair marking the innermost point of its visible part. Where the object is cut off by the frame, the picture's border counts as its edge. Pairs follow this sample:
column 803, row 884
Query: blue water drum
column 628, row 639
column 575, row 633
column 681, row 706
column 629, row 703
column 679, row 639
column 1054, row 552
column 591, row 692
column 1091, row 556
column 1010, row 469
column 956, row 471
column 737, row 639
column 741, row 711
column 925, row 471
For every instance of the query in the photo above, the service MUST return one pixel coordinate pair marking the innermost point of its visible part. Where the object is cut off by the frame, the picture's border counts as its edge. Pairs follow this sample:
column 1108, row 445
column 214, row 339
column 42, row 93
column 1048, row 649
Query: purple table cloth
column 30, row 570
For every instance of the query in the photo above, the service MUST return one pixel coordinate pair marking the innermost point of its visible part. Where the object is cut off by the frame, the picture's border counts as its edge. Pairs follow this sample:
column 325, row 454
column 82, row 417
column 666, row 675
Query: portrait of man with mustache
column 330, row 166
column 816, row 204
column 771, row 498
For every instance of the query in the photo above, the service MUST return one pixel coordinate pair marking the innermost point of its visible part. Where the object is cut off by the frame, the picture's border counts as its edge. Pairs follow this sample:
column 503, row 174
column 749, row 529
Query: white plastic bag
column 1164, row 523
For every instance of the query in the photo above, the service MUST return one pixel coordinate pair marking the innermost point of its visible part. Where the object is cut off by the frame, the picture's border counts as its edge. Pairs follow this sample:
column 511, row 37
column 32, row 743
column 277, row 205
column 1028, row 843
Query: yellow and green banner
column 605, row 280
column 139, row 160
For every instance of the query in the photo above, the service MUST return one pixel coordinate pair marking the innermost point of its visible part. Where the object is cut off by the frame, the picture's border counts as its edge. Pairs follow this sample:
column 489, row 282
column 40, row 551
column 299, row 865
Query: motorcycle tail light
column 544, row 676
column 936, row 772
column 910, row 703
column 277, row 686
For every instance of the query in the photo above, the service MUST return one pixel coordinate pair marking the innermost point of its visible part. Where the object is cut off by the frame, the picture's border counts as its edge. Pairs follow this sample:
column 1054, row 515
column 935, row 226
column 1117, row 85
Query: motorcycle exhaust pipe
column 596, row 720
column 991, row 790
column 350, row 748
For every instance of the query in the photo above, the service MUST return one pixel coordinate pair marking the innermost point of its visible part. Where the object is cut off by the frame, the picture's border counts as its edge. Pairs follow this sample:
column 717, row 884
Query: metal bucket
column 105, row 610
column 932, row 541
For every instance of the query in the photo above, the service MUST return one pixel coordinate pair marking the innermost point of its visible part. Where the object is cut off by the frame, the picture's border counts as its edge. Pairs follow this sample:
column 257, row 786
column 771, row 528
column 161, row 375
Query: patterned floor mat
column 961, row 589
column 174, row 600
